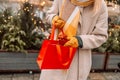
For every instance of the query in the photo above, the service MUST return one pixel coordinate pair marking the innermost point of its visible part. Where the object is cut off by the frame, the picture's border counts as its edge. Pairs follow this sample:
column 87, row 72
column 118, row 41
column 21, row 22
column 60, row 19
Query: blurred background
column 23, row 28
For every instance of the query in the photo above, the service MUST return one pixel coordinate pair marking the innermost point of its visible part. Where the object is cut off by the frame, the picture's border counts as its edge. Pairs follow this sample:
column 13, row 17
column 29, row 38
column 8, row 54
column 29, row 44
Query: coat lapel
column 87, row 20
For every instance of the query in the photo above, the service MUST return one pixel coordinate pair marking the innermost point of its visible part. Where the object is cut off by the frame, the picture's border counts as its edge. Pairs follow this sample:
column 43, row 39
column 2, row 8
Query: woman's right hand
column 58, row 22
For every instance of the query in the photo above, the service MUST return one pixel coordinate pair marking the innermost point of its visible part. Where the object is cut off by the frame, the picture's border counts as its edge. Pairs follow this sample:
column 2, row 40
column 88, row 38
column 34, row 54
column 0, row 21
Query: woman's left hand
column 72, row 42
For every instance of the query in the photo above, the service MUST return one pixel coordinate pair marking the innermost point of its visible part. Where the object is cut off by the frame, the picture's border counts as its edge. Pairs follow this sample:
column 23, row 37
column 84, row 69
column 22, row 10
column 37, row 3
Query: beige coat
column 93, row 32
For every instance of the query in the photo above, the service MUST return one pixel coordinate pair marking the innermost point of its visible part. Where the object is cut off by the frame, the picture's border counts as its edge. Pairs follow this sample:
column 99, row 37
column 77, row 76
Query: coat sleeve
column 99, row 35
column 52, row 11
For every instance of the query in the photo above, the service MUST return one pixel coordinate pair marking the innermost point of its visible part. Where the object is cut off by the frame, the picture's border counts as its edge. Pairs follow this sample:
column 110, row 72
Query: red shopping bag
column 55, row 56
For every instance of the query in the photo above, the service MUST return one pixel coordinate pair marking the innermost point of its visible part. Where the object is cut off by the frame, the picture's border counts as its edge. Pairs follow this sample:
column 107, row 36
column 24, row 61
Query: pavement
column 35, row 76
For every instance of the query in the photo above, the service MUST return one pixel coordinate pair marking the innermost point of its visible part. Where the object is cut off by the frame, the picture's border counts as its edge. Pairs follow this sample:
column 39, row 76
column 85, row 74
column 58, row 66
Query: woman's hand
column 73, row 42
column 58, row 22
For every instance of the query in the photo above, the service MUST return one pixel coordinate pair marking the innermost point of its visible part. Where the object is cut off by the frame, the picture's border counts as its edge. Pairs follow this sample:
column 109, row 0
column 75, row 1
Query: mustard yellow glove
column 73, row 42
column 58, row 22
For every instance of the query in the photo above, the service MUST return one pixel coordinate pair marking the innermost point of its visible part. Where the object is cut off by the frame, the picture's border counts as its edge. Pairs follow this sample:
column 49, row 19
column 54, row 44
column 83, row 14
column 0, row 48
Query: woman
column 91, row 33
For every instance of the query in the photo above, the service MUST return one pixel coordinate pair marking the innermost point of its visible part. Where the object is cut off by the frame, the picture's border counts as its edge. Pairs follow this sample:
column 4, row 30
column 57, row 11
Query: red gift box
column 55, row 56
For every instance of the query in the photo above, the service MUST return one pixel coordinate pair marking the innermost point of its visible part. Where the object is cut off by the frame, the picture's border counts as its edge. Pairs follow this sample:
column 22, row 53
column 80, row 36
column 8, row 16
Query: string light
column 25, row 9
column 42, row 3
column 39, row 21
column 117, row 41
column 32, row 19
column 26, row 0
column 113, row 9
column 18, row 14
column 35, row 22
column 115, row 6
column 5, row 20
column 28, row 10
column 110, row 33
column 42, row 29
column 9, row 17
column 32, row 13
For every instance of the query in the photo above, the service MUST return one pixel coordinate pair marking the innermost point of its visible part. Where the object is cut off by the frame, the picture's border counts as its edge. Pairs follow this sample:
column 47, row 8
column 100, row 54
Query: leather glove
column 73, row 42
column 58, row 22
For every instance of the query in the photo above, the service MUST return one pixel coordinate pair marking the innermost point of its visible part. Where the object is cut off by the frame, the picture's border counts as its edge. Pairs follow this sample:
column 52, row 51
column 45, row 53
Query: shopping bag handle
column 60, row 56
column 52, row 32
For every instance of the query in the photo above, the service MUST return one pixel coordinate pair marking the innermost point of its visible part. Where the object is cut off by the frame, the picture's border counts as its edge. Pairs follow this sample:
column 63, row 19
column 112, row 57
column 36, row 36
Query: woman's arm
column 99, row 34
